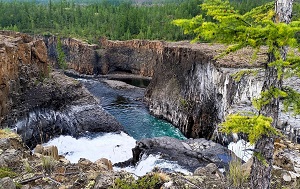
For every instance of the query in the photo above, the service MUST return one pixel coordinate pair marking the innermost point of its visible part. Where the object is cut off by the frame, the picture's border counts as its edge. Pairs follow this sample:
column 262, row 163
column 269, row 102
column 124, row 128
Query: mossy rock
column 6, row 172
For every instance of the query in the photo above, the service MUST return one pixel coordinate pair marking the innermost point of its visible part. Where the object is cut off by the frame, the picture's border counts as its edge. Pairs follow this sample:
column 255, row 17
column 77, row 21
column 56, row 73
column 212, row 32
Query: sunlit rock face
column 134, row 56
column 194, row 91
column 22, row 60
column 39, row 104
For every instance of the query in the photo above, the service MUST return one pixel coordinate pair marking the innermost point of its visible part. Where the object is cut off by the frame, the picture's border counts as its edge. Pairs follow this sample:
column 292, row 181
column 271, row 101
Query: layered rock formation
column 79, row 55
column 60, row 105
column 190, row 153
column 41, row 105
column 22, row 60
column 134, row 56
column 189, row 87
column 194, row 91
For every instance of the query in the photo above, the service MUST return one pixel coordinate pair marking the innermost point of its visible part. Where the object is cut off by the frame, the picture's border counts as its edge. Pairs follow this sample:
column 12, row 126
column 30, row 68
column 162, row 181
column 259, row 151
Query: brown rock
column 211, row 168
column 104, row 164
column 39, row 149
column 21, row 59
column 84, row 162
column 7, row 183
column 51, row 151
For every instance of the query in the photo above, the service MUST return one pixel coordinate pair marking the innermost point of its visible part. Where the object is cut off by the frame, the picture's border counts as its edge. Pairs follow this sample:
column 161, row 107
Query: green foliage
column 256, row 28
column 238, row 75
column 266, row 96
column 292, row 100
column 48, row 163
column 150, row 181
column 61, row 57
column 6, row 172
column 119, row 19
column 255, row 126
column 237, row 176
column 116, row 20
column 27, row 166
column 261, row 158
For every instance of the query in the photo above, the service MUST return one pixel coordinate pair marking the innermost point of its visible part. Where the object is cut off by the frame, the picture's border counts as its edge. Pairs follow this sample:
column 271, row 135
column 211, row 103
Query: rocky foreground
column 44, row 168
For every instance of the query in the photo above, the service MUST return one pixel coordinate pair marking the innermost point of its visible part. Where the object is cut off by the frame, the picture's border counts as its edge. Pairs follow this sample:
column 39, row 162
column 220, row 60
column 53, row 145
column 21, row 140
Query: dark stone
column 190, row 153
column 59, row 105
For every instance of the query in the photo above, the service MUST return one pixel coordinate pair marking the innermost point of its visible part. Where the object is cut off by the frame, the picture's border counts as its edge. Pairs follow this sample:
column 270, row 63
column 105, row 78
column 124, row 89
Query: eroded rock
column 190, row 154
column 7, row 183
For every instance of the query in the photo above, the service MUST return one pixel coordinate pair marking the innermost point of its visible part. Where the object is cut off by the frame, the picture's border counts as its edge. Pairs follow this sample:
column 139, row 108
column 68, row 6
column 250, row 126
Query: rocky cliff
column 79, row 55
column 22, row 60
column 189, row 87
column 194, row 91
column 135, row 56
column 41, row 105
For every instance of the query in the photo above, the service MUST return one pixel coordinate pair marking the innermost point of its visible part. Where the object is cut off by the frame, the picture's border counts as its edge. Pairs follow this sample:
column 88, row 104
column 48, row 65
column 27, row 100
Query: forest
column 114, row 19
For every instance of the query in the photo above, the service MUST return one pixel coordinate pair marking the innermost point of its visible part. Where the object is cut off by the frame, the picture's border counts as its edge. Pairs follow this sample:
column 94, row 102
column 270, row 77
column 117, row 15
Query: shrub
column 6, row 172
column 150, row 181
column 48, row 164
column 236, row 176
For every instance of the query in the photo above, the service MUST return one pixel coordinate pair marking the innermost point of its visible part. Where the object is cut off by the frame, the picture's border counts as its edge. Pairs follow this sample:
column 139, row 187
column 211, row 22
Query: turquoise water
column 127, row 107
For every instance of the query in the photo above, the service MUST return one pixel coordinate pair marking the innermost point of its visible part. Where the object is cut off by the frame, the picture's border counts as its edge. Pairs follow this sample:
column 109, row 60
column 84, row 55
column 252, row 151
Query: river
column 127, row 106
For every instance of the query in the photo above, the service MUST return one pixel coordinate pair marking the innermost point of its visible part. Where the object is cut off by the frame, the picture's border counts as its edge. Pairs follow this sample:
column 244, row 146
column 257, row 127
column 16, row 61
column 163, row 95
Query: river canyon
column 184, row 94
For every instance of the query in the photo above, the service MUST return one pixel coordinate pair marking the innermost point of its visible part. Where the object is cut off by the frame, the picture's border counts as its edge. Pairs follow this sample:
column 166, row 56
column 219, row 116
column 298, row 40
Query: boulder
column 53, row 108
column 104, row 164
column 190, row 153
column 210, row 168
column 7, row 183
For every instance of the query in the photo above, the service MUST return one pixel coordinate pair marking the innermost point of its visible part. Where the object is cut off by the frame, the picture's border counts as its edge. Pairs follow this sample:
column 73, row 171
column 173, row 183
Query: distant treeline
column 115, row 19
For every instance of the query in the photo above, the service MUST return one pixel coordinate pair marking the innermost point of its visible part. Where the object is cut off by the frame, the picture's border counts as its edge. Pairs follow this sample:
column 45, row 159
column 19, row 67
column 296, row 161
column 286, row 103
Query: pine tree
column 267, row 25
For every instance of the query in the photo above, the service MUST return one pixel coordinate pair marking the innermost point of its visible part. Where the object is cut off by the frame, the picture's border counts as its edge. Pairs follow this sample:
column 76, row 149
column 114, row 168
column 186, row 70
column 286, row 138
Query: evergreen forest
column 114, row 19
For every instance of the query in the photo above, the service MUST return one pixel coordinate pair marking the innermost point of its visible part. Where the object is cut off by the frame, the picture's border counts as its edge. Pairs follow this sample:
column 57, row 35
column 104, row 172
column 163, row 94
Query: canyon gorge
column 189, row 88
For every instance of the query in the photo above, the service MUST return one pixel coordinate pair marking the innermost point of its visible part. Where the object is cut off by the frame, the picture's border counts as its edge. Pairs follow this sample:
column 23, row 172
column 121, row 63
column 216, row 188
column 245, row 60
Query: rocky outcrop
column 190, row 153
column 134, row 56
column 22, row 60
column 40, row 105
column 79, row 55
column 194, row 91
column 58, row 105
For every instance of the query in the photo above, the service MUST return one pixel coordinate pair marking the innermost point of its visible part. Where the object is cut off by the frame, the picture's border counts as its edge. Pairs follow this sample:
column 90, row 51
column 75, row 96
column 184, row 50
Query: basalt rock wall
column 22, row 60
column 79, row 55
column 194, row 91
column 41, row 105
column 134, row 56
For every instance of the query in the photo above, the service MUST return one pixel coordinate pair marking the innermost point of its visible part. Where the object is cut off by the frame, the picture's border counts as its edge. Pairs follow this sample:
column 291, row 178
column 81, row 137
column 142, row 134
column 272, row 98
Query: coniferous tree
column 270, row 26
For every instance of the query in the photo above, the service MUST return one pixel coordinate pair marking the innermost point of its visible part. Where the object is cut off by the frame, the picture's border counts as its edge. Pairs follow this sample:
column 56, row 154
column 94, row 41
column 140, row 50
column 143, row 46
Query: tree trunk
column 263, row 160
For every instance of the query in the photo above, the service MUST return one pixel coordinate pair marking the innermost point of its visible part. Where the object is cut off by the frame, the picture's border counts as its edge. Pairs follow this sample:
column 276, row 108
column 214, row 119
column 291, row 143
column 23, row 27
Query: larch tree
column 270, row 26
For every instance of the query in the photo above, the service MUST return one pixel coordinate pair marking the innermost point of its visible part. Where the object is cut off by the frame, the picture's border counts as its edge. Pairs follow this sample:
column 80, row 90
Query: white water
column 149, row 162
column 115, row 147
column 239, row 149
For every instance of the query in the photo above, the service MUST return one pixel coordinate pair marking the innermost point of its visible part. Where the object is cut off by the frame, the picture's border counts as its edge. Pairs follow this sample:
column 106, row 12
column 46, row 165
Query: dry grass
column 7, row 133
column 236, row 176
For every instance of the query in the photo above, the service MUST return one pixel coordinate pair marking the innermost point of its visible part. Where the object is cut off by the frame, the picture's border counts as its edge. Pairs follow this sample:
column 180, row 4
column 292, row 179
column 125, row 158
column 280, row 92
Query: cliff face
column 133, row 56
column 22, row 60
column 79, row 55
column 194, row 92
column 41, row 105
